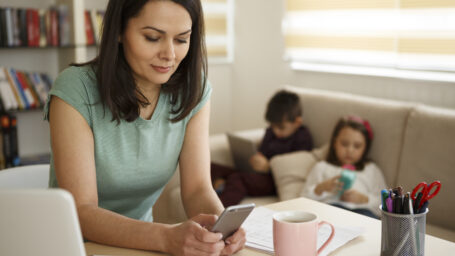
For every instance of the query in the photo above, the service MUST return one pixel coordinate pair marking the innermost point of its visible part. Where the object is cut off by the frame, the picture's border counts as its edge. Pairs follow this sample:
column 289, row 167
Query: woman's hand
column 354, row 196
column 331, row 185
column 235, row 243
column 259, row 162
column 192, row 238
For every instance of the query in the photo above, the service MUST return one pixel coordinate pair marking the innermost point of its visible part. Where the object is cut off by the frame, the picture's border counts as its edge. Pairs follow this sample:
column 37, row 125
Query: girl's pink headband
column 365, row 123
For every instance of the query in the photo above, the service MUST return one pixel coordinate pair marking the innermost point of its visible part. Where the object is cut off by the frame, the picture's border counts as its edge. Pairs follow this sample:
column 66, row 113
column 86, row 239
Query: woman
column 121, row 123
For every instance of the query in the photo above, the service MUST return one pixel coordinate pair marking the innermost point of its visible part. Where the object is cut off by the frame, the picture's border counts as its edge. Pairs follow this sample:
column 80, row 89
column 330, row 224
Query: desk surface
column 369, row 243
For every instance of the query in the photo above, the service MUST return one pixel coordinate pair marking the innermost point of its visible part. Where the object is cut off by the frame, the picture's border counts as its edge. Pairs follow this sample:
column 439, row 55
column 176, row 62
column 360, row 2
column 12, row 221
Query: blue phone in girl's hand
column 348, row 178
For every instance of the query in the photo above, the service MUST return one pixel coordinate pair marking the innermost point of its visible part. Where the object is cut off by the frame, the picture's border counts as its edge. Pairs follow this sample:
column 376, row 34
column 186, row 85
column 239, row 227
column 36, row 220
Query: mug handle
column 330, row 237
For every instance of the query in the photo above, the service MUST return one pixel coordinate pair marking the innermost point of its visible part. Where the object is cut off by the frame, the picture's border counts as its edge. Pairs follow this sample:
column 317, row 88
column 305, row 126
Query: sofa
column 412, row 143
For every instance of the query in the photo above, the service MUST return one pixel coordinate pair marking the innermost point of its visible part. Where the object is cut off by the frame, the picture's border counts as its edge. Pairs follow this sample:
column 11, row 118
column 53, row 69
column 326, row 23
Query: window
column 400, row 34
column 219, row 29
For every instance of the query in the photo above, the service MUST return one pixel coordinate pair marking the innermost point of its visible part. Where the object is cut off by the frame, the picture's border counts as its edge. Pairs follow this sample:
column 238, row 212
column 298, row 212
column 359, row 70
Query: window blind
column 404, row 34
column 218, row 28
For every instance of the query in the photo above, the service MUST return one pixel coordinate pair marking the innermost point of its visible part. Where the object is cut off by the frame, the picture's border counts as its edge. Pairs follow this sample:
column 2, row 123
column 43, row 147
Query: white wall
column 259, row 70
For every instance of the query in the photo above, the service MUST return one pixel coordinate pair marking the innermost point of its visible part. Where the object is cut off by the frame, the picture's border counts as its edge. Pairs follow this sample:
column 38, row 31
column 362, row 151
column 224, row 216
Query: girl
column 349, row 147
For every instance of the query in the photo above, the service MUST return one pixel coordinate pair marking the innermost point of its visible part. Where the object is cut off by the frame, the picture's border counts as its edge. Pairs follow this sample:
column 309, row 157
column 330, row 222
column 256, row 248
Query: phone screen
column 231, row 219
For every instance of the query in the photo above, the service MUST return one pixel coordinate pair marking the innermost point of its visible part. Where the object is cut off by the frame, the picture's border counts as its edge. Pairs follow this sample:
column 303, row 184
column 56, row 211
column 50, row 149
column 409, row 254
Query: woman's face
column 349, row 146
column 156, row 41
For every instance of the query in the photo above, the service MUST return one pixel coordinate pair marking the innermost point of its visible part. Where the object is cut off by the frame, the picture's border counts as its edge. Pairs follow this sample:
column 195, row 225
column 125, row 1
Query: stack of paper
column 259, row 232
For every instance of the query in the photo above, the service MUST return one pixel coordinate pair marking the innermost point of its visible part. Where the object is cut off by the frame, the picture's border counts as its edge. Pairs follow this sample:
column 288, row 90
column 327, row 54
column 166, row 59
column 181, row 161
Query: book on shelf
column 6, row 94
column 20, row 90
column 33, row 27
column 14, row 144
column 17, row 85
column 89, row 32
column 97, row 17
column 9, row 140
column 64, row 25
column 42, row 28
column 24, row 86
column 9, row 27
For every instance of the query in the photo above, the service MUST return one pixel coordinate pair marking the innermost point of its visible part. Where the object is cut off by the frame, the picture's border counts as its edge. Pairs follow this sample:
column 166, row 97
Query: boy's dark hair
column 117, row 87
column 283, row 106
column 355, row 123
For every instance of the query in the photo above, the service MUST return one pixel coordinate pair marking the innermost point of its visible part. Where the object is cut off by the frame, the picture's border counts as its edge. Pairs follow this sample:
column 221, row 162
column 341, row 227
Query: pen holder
column 403, row 234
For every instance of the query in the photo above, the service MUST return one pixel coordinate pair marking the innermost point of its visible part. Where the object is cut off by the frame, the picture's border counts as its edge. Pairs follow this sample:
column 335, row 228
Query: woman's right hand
column 193, row 237
column 331, row 185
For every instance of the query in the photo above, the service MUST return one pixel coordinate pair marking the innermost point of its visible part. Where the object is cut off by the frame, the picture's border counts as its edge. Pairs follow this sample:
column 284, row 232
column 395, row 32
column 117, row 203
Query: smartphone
column 231, row 219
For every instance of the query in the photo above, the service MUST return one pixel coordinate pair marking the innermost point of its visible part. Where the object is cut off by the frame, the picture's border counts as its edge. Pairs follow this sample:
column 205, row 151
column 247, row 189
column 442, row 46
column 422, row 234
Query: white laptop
column 241, row 149
column 39, row 222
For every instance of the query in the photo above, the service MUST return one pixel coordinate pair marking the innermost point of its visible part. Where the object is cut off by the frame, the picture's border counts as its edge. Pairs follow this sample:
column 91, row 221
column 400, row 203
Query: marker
column 389, row 202
column 406, row 203
column 417, row 202
column 384, row 196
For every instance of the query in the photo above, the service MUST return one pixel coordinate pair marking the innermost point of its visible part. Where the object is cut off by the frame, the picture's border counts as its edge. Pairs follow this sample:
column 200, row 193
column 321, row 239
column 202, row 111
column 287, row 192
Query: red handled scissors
column 426, row 191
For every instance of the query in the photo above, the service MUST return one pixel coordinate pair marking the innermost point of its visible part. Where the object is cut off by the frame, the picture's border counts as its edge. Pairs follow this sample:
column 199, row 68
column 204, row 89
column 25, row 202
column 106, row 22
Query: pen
column 400, row 190
column 409, row 235
column 406, row 204
column 398, row 204
column 424, row 207
column 417, row 202
column 384, row 196
column 415, row 235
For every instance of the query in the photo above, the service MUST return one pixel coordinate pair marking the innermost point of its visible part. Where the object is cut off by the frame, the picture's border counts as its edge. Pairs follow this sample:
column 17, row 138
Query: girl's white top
column 370, row 181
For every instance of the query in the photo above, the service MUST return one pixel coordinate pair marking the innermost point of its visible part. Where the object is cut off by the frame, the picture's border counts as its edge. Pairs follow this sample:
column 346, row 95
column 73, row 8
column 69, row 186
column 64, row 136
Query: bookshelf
column 33, row 132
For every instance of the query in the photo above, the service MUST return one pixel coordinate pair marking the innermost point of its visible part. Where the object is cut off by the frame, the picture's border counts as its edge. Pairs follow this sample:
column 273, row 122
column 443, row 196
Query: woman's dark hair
column 357, row 124
column 117, row 86
column 283, row 106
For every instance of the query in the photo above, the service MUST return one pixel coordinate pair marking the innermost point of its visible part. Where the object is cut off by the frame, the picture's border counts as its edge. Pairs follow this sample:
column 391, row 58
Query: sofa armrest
column 220, row 152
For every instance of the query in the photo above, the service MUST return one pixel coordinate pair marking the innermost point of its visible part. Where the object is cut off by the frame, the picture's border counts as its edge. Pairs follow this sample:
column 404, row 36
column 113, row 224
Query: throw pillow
column 290, row 170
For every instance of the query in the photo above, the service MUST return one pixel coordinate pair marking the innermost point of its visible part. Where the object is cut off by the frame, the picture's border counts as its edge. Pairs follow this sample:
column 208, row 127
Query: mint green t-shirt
column 134, row 160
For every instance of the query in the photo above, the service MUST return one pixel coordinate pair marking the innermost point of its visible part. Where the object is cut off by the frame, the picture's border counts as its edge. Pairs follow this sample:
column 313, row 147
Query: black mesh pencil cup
column 403, row 234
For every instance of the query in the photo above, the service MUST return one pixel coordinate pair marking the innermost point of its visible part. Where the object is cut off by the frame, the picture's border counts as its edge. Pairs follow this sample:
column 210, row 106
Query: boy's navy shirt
column 271, row 145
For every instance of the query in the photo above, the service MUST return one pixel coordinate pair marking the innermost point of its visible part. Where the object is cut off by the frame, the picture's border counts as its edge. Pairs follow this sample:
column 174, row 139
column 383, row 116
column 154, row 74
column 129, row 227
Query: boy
column 285, row 134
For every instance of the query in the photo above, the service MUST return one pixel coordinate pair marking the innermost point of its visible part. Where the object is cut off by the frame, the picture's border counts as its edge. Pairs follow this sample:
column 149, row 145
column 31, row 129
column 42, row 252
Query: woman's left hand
column 354, row 196
column 234, row 243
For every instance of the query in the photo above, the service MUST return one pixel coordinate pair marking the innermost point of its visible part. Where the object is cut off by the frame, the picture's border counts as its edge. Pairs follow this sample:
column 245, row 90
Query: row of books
column 21, row 90
column 9, row 151
column 34, row 27
column 44, row 27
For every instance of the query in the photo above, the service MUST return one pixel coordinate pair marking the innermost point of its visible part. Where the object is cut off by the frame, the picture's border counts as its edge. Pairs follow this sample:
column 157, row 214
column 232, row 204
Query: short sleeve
column 205, row 97
column 71, row 87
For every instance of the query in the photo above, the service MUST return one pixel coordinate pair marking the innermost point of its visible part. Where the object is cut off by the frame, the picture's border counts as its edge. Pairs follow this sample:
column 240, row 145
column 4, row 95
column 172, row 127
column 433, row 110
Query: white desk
column 369, row 243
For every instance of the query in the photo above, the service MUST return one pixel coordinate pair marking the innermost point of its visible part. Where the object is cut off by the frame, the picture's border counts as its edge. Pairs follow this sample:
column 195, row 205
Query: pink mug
column 296, row 233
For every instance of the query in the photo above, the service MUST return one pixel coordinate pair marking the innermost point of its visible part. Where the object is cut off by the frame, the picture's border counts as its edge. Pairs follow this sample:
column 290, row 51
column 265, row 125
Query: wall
column 241, row 89
column 259, row 70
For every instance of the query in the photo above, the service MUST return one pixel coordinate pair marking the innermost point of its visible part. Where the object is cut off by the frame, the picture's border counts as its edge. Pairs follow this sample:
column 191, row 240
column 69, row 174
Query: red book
column 89, row 32
column 36, row 25
column 54, row 27
column 30, row 27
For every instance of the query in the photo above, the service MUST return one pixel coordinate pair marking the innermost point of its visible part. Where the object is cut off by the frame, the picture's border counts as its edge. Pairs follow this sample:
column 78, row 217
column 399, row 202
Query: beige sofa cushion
column 290, row 170
column 322, row 109
column 428, row 155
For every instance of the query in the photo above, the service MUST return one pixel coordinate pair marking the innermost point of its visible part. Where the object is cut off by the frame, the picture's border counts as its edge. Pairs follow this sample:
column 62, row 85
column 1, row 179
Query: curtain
column 218, row 26
column 402, row 34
